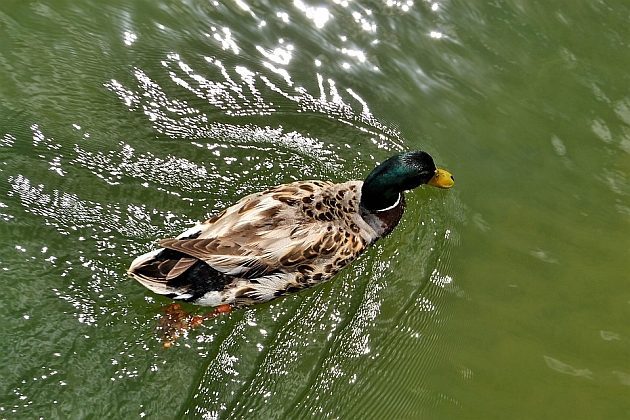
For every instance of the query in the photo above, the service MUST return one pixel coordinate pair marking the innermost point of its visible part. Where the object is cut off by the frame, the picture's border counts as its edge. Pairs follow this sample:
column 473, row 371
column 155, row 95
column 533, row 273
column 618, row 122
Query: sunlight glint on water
column 129, row 121
column 217, row 113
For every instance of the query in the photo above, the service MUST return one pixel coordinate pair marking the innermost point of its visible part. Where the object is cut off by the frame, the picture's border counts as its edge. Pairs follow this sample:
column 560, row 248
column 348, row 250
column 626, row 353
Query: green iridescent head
column 406, row 171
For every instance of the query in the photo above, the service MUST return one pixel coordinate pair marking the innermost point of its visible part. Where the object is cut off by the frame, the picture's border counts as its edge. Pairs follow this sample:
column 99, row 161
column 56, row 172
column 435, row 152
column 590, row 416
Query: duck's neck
column 382, row 201
column 385, row 212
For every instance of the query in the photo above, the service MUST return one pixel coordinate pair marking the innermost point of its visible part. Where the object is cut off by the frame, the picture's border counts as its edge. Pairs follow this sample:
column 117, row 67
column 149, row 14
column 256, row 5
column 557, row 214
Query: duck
column 284, row 239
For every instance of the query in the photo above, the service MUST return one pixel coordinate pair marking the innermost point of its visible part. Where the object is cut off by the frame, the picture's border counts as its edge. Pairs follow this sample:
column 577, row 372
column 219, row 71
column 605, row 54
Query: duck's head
column 384, row 185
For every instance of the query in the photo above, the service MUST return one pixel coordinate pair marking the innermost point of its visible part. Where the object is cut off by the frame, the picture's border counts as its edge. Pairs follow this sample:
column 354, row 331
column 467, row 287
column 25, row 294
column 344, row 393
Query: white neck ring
column 393, row 205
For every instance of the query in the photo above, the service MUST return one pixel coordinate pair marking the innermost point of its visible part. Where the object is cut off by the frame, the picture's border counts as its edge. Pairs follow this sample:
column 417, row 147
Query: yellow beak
column 442, row 179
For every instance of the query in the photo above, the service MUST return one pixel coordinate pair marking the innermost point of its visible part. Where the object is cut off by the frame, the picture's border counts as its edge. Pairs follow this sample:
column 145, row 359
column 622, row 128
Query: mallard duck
column 286, row 238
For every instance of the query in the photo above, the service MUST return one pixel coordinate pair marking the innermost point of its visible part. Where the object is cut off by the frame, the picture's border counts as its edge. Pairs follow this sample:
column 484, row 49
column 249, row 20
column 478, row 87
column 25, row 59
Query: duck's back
column 267, row 244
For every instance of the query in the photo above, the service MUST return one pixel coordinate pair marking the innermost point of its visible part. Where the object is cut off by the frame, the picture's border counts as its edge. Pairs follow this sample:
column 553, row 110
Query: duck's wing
column 300, row 224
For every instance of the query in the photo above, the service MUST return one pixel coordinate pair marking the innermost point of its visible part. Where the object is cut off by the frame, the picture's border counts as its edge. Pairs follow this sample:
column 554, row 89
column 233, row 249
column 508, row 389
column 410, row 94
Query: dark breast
column 390, row 218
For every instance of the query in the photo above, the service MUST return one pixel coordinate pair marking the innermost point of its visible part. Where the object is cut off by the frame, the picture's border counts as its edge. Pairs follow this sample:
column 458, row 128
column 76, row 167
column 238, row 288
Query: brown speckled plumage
column 277, row 241
column 267, row 244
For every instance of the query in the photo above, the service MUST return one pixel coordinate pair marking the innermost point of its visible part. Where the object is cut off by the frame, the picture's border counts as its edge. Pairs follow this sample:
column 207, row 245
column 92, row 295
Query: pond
column 124, row 122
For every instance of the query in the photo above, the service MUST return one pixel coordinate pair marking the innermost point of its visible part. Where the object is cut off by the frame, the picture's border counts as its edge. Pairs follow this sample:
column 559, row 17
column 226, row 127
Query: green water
column 507, row 297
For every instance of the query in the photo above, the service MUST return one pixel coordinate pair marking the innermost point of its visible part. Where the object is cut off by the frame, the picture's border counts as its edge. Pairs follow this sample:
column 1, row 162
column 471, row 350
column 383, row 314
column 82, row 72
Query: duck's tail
column 177, row 275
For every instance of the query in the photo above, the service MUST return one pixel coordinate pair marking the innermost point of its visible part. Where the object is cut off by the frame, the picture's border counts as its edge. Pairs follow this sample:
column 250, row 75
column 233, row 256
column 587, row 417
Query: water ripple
column 126, row 142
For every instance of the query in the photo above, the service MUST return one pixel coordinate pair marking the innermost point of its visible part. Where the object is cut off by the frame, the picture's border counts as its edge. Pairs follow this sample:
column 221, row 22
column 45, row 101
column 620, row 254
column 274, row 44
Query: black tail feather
column 199, row 279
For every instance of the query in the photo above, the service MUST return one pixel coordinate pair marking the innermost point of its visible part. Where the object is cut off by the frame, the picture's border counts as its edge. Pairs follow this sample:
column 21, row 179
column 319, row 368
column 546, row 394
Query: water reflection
column 565, row 368
column 178, row 119
column 224, row 36
column 319, row 15
column 166, row 138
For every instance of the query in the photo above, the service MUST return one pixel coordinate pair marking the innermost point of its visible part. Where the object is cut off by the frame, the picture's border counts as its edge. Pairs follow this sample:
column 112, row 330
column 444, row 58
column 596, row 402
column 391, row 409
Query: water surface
column 505, row 297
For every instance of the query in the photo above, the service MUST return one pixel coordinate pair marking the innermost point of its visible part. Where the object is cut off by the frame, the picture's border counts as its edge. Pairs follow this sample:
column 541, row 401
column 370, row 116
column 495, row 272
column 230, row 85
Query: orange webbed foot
column 176, row 321
column 218, row 310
